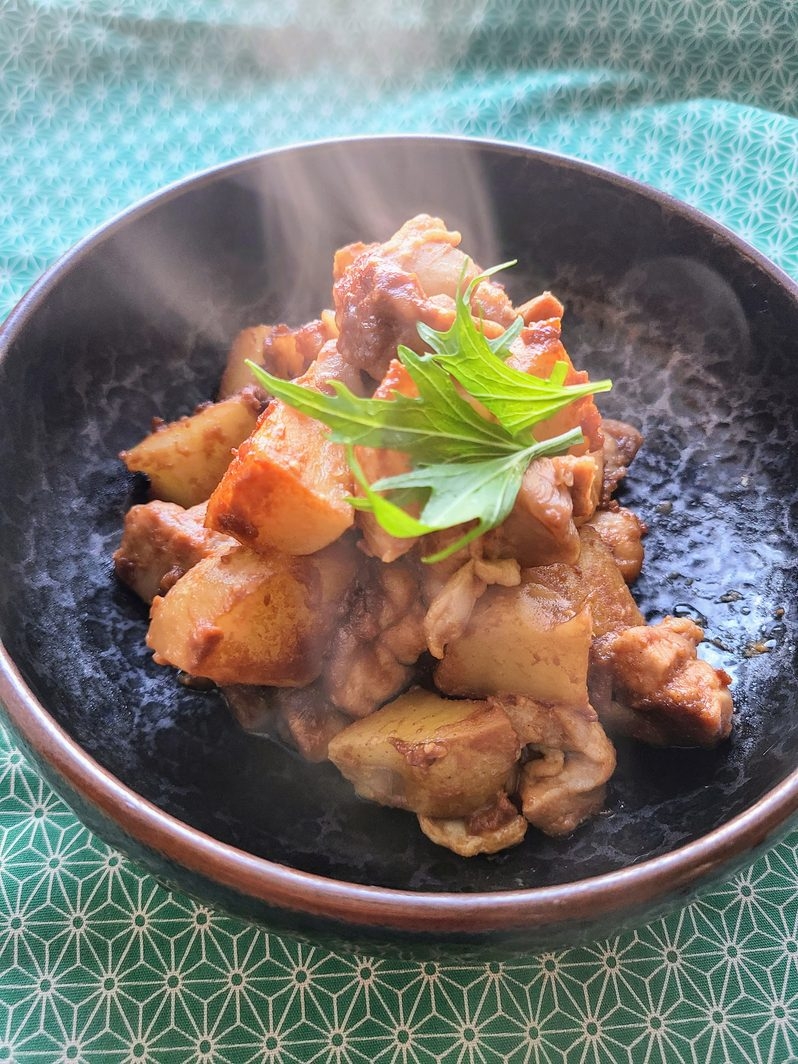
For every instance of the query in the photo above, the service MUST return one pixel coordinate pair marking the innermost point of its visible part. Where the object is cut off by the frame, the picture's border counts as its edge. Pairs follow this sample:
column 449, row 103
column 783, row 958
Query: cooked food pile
column 414, row 564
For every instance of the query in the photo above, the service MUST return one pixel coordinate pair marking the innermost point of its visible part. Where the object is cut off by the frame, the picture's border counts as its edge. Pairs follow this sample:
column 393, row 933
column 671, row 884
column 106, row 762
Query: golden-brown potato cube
column 284, row 351
column 247, row 345
column 435, row 756
column 286, row 488
column 247, row 618
column 160, row 543
column 185, row 459
column 524, row 640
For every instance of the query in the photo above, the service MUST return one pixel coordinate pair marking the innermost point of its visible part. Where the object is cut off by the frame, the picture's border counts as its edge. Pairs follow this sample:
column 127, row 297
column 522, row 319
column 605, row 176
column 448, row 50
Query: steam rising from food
column 466, row 672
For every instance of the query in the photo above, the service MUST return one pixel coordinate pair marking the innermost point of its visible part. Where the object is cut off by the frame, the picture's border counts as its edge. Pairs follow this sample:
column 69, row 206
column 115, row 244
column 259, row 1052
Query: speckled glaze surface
column 701, row 341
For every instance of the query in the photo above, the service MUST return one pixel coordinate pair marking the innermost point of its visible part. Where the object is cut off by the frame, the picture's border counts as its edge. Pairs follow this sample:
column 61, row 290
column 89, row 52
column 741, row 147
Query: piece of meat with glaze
column 594, row 579
column 282, row 350
column 385, row 290
column 621, row 443
column 536, row 350
column 622, row 532
column 300, row 717
column 496, row 827
column 659, row 691
column 645, row 681
column 379, row 639
column 541, row 307
column 556, row 495
column 378, row 462
column 161, row 541
column 563, row 782
column 451, row 608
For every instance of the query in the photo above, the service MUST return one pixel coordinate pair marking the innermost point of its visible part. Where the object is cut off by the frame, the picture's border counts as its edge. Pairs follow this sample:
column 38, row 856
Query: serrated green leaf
column 437, row 426
column 518, row 400
column 458, row 492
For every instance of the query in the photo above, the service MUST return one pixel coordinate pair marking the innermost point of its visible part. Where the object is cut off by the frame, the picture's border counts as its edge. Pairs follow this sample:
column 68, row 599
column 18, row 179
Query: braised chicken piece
column 379, row 638
column 622, row 532
column 595, row 580
column 385, row 290
column 660, row 692
column 379, row 462
column 496, row 827
column 450, row 610
column 162, row 541
column 557, row 494
column 621, row 444
column 299, row 716
column 542, row 307
column 646, row 681
column 563, row 782
column 536, row 350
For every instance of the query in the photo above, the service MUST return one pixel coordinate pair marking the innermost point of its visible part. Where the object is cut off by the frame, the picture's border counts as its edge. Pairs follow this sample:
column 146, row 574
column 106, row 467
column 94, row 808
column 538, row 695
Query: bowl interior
column 700, row 339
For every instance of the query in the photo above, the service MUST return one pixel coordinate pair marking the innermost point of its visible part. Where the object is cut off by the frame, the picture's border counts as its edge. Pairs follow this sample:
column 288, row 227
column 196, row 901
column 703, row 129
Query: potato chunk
column 286, row 488
column 284, row 351
column 247, row 345
column 247, row 618
column 185, row 459
column 525, row 640
column 435, row 756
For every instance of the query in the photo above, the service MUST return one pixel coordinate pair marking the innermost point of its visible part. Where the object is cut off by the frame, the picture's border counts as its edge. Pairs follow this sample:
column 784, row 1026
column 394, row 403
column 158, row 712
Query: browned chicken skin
column 660, row 692
column 621, row 444
column 385, row 290
column 161, row 542
column 563, row 784
column 622, row 532
column 489, row 830
column 555, row 494
column 374, row 649
column 646, row 680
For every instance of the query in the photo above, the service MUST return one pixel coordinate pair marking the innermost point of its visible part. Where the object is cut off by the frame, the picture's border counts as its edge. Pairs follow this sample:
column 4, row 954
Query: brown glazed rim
column 349, row 903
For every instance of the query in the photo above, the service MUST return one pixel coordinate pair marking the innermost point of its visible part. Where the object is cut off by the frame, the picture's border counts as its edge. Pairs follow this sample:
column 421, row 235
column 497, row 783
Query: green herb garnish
column 465, row 467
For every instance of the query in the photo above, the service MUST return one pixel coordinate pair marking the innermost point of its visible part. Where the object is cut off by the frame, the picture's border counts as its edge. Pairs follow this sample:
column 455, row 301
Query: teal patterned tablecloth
column 103, row 101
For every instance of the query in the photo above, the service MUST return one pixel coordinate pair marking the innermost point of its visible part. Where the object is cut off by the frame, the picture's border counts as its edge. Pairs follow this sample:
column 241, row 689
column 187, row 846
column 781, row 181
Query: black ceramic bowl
column 700, row 335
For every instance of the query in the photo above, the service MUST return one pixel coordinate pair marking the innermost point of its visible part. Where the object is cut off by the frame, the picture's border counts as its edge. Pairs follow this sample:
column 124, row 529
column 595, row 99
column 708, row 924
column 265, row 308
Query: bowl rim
column 280, row 886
